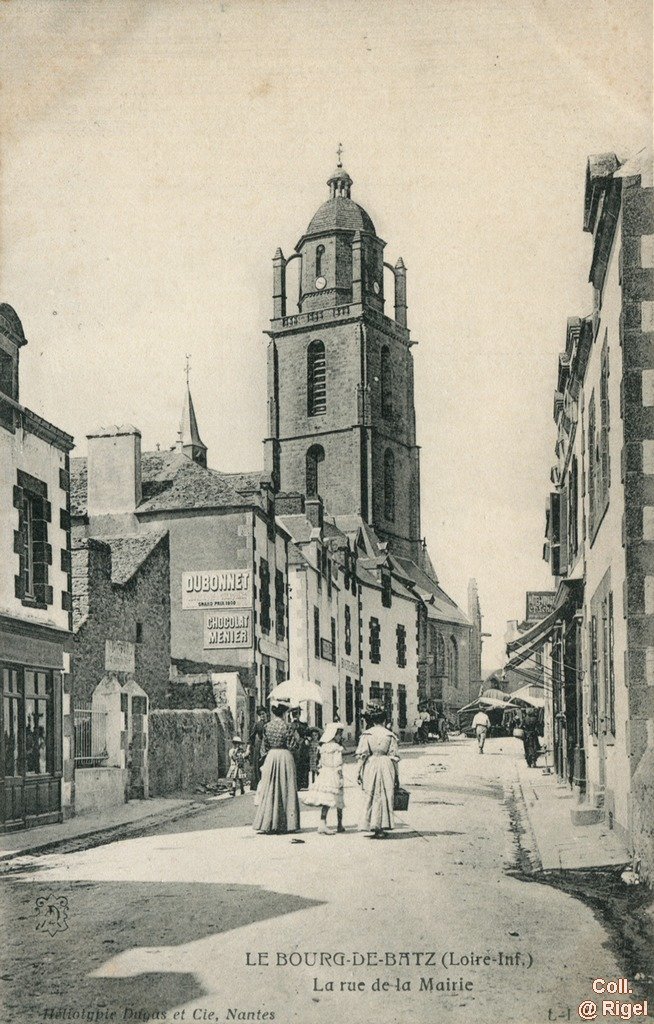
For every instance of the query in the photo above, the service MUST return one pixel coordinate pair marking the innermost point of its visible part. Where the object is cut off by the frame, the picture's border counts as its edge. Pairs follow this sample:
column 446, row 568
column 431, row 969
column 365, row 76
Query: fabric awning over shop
column 535, row 636
column 534, row 695
column 568, row 595
column 486, row 702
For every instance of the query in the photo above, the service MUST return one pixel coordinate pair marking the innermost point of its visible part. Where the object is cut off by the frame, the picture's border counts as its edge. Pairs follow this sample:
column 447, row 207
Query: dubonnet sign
column 224, row 629
column 217, row 588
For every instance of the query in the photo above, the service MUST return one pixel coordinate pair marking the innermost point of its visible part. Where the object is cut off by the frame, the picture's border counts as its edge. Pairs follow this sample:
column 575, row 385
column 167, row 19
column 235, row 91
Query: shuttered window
column 316, row 379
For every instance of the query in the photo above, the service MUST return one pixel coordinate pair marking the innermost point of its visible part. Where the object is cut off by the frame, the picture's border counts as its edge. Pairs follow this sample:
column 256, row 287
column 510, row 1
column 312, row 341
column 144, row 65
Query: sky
column 155, row 154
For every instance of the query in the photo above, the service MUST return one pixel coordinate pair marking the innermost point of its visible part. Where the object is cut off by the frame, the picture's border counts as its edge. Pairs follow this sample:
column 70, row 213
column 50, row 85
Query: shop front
column 31, row 672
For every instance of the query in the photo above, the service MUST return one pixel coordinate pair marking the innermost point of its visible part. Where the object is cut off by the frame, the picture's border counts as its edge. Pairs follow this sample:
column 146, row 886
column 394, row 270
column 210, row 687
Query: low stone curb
column 110, row 833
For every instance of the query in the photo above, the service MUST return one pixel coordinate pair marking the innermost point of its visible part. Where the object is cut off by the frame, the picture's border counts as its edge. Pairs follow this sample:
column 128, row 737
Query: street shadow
column 415, row 834
column 492, row 791
column 107, row 919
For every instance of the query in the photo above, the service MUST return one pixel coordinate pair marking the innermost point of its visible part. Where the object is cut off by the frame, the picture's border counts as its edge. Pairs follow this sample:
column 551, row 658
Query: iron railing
column 90, row 738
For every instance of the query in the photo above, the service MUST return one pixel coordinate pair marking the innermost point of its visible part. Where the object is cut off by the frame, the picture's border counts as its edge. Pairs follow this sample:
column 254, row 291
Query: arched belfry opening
column 314, row 470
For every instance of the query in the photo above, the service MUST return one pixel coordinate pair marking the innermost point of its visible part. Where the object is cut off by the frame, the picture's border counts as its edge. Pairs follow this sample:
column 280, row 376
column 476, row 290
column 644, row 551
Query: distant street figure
column 278, row 806
column 236, row 771
column 481, row 725
column 378, row 755
column 299, row 747
column 530, row 736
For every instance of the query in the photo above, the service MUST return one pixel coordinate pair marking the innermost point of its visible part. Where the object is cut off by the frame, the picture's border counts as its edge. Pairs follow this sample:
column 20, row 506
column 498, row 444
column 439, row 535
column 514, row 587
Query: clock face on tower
column 320, row 283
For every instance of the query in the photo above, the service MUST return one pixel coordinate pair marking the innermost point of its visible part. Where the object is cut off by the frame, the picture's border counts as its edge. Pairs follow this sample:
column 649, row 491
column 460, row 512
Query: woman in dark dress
column 254, row 746
column 278, row 805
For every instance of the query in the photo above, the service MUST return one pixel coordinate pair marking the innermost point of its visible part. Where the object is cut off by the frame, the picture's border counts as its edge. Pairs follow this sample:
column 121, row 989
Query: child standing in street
column 236, row 770
column 327, row 790
column 314, row 754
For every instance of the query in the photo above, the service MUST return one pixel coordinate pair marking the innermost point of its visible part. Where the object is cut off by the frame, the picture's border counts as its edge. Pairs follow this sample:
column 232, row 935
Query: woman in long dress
column 327, row 790
column 378, row 755
column 279, row 809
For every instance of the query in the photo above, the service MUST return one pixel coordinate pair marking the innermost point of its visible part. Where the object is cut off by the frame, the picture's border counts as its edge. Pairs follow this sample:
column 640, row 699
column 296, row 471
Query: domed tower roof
column 340, row 212
column 11, row 326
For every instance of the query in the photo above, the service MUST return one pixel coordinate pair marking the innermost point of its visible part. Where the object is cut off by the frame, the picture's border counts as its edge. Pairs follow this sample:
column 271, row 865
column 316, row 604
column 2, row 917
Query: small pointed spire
column 189, row 436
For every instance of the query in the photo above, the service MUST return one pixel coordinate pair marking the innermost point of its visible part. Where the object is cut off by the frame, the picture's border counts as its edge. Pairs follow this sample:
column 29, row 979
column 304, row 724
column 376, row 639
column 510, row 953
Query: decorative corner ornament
column 52, row 914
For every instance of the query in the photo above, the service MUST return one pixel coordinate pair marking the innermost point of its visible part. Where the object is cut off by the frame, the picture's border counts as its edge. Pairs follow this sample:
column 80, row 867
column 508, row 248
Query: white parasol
column 297, row 690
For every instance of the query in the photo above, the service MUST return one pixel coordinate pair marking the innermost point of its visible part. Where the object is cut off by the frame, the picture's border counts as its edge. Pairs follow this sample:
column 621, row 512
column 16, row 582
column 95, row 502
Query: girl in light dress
column 327, row 790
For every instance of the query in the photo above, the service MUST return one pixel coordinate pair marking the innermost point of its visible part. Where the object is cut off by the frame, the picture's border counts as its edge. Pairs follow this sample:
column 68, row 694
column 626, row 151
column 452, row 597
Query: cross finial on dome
column 340, row 182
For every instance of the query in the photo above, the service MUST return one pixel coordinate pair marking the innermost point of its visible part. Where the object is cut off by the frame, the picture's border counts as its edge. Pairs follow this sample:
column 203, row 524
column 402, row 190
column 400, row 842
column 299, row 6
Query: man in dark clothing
column 530, row 738
column 300, row 748
column 254, row 746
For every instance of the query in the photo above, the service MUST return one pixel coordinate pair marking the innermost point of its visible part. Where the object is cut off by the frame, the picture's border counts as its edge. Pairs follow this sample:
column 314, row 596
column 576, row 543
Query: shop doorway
column 30, row 746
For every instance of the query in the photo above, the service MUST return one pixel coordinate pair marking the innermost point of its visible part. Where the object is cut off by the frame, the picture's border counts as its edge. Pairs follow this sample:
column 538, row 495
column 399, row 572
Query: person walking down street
column 443, row 731
column 254, row 747
column 417, row 730
column 378, row 756
column 236, row 770
column 481, row 725
column 530, row 736
column 327, row 790
column 314, row 753
column 278, row 808
column 300, row 748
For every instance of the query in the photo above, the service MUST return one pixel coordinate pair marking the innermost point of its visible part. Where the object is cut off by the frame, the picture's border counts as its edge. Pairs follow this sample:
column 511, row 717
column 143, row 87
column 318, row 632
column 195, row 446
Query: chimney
column 313, row 510
column 289, row 503
column 114, row 470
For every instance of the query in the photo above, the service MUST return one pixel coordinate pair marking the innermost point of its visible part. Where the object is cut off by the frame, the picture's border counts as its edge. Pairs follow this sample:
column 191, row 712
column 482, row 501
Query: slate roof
column 129, row 553
column 300, row 529
column 416, row 582
column 193, row 487
column 442, row 607
column 246, row 482
column 340, row 214
column 170, row 481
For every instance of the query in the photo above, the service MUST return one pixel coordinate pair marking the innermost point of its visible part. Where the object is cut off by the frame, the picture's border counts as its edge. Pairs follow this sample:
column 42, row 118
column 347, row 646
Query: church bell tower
column 340, row 375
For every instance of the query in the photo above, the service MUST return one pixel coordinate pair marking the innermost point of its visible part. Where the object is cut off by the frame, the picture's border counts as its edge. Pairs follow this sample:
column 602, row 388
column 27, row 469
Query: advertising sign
column 225, row 630
column 539, row 604
column 217, row 588
column 119, row 656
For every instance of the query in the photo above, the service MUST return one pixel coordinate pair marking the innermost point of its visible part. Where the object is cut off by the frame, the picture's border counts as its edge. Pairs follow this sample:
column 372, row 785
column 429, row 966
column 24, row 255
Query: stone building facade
column 121, row 596
column 599, row 639
column 35, row 603
column 226, row 586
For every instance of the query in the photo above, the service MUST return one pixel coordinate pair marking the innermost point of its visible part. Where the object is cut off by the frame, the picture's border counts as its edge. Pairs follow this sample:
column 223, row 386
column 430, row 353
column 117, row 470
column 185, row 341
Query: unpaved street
column 200, row 918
